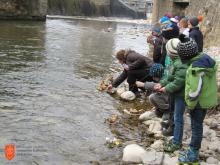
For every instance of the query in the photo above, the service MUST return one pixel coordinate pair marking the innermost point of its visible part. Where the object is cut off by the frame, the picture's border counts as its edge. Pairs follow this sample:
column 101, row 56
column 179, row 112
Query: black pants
column 137, row 75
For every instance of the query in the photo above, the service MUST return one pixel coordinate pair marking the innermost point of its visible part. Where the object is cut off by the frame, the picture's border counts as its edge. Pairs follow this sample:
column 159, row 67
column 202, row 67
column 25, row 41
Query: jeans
column 179, row 109
column 197, row 116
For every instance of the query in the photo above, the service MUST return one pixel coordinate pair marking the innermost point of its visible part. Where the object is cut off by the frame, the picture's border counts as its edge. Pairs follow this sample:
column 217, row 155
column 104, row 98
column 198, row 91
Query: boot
column 168, row 131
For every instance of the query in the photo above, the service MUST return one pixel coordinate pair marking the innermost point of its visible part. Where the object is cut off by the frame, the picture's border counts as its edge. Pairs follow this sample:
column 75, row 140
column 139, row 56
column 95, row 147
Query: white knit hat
column 171, row 47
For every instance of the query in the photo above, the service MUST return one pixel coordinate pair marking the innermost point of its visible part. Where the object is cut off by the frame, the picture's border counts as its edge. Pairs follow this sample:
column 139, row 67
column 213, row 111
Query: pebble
column 212, row 160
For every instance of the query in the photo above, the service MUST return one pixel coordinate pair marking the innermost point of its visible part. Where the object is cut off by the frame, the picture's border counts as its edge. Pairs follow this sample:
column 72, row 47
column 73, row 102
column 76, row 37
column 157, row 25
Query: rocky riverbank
column 209, row 153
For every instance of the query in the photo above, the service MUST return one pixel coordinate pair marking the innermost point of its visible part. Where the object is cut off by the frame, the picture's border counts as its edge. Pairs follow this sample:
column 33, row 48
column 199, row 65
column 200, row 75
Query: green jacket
column 201, row 84
column 174, row 83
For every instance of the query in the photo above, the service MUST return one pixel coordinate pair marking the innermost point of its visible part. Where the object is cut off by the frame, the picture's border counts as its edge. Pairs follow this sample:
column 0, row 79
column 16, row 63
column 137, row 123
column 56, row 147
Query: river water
column 50, row 108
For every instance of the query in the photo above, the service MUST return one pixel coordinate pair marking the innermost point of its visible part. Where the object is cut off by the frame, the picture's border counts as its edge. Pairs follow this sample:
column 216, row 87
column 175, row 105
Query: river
column 50, row 108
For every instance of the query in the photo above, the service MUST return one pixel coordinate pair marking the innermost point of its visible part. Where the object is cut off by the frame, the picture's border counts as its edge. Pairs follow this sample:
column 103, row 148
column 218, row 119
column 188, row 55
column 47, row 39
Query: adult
column 136, row 68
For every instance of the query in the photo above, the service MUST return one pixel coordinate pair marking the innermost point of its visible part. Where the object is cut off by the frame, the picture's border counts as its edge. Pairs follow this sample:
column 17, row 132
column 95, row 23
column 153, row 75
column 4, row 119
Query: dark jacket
column 157, row 53
column 174, row 33
column 197, row 35
column 135, row 62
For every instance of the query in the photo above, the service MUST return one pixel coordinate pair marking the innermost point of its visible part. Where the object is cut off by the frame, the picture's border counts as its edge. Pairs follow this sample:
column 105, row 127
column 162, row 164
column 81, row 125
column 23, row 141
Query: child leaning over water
column 158, row 99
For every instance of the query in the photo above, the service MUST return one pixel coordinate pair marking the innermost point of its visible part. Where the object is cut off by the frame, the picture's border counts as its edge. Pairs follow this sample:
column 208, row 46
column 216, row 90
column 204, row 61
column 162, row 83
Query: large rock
column 157, row 145
column 120, row 91
column 214, row 146
column 128, row 95
column 134, row 153
column 148, row 115
column 212, row 160
column 170, row 160
column 155, row 127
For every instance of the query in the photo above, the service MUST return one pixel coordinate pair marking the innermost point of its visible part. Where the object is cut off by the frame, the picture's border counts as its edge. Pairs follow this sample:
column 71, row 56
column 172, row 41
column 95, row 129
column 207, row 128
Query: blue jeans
column 197, row 116
column 179, row 109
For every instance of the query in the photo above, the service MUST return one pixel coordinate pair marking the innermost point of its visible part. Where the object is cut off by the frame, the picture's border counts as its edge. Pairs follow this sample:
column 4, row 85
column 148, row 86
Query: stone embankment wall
column 211, row 23
column 23, row 9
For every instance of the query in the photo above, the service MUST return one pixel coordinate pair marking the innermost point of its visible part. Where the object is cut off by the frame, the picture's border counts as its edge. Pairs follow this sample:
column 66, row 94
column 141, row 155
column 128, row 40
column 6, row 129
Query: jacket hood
column 204, row 62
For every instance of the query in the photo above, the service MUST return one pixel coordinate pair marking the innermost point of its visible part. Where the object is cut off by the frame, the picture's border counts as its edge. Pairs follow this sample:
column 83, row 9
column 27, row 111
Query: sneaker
column 165, row 124
column 189, row 156
column 171, row 147
column 168, row 131
column 158, row 113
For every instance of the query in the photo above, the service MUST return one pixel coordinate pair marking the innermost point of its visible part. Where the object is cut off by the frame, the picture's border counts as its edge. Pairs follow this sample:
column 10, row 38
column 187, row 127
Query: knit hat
column 164, row 19
column 174, row 20
column 171, row 47
column 187, row 48
column 156, row 70
column 194, row 21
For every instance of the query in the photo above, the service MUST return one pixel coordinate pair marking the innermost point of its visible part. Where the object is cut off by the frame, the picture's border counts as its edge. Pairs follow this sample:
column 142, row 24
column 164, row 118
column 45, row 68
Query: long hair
column 122, row 54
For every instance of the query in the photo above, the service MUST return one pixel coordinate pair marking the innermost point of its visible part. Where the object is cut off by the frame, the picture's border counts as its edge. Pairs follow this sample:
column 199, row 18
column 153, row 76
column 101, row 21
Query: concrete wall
column 79, row 7
column 23, row 9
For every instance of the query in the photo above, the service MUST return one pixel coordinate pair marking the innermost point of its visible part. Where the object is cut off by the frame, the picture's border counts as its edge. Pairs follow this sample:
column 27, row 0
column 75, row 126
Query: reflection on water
column 49, row 106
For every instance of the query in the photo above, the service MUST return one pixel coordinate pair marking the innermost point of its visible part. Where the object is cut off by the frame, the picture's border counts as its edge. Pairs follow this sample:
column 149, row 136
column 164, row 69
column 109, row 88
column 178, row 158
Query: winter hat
column 194, row 21
column 156, row 70
column 187, row 48
column 174, row 20
column 171, row 47
column 164, row 19
column 169, row 15
column 200, row 18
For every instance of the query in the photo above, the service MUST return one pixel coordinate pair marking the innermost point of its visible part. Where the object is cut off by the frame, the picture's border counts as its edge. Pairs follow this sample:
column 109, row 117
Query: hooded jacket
column 201, row 85
column 197, row 35
column 175, row 81
column 135, row 61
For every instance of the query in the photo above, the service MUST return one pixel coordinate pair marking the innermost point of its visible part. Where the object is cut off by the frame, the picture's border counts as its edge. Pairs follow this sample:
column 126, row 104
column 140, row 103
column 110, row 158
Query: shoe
column 171, row 147
column 158, row 113
column 168, row 131
column 165, row 124
column 190, row 156
column 166, row 115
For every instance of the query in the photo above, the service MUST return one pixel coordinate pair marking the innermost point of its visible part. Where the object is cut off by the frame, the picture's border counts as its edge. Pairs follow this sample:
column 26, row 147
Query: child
column 200, row 93
column 156, row 40
column 195, row 32
column 183, row 26
column 136, row 67
column 174, row 86
column 158, row 99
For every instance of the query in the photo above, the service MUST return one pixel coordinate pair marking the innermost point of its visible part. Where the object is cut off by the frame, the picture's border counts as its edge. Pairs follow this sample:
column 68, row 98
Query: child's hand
column 139, row 84
column 162, row 90
column 157, row 87
column 109, row 88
